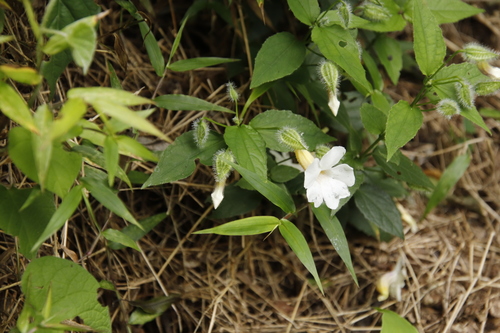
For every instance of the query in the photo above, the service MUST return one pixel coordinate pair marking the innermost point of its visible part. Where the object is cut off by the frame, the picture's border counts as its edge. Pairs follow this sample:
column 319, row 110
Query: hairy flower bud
column 329, row 74
column 232, row 94
column 222, row 169
column 487, row 88
column 375, row 12
column 200, row 132
column 291, row 138
column 344, row 10
column 475, row 52
column 465, row 93
column 321, row 150
column 448, row 107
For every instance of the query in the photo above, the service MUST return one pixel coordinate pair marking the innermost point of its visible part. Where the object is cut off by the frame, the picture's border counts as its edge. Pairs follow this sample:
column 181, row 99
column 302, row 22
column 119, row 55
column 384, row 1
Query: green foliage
column 247, row 226
column 59, row 290
column 183, row 102
column 393, row 323
column 403, row 123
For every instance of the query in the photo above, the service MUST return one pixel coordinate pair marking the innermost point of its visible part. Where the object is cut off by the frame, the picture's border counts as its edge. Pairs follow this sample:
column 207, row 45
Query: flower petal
column 332, row 158
column 314, row 194
column 344, row 173
column 333, row 102
column 333, row 190
column 312, row 173
column 218, row 193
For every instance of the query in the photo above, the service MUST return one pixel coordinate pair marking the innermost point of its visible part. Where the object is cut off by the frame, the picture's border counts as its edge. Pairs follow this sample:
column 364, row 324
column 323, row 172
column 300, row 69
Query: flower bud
column 222, row 169
column 344, row 10
column 232, row 94
column 448, row 107
column 200, row 132
column 321, row 150
column 304, row 157
column 291, row 138
column 375, row 12
column 487, row 69
column 487, row 88
column 475, row 52
column 391, row 283
column 465, row 93
column 329, row 74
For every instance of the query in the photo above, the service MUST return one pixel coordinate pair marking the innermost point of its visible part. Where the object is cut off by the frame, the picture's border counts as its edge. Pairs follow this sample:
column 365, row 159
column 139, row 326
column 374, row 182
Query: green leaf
column 111, row 158
column 283, row 173
column 29, row 223
column 110, row 95
column 451, row 11
column 41, row 142
column 404, row 169
column 279, row 56
column 5, row 39
column 135, row 233
column 119, row 237
column 151, row 309
column 113, row 78
column 372, row 67
column 14, row 107
column 474, row 116
column 237, row 201
column 130, row 147
column 269, row 122
column 403, row 123
column 306, row 11
column 24, row 75
column 448, row 179
column 63, row 168
column 390, row 55
column 276, row 194
column 62, row 214
column 338, row 45
column 378, row 208
column 256, row 93
column 82, row 41
column 298, row 243
column 335, row 233
column 373, row 119
column 248, row 226
column 178, row 160
column 395, row 23
column 196, row 63
column 70, row 114
column 248, row 148
column 70, row 290
column 428, row 40
column 108, row 199
column 187, row 103
column 393, row 323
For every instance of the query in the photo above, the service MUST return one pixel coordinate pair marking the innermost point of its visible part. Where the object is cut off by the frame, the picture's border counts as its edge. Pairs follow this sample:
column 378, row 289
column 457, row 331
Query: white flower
column 326, row 181
column 492, row 71
column 333, row 102
column 391, row 283
column 218, row 193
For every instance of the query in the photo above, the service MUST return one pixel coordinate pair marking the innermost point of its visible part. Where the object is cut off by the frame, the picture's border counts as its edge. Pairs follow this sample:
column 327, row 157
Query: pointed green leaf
column 113, row 78
column 373, row 119
column 248, row 226
column 279, row 56
column 74, row 293
column 474, row 116
column 278, row 195
column 178, row 160
column 25, row 75
column 119, row 237
column 269, row 122
column 378, row 208
column 256, row 93
column 248, row 148
column 403, row 124
column 393, row 323
column 111, row 158
column 29, row 223
column 390, row 55
column 62, row 214
column 428, row 40
column 108, row 199
column 299, row 246
column 151, row 309
column 448, row 179
column 110, row 95
column 69, row 115
column 135, row 233
column 63, row 169
column 14, row 107
column 42, row 144
column 335, row 233
column 196, row 63
column 451, row 11
column 372, row 67
column 306, row 11
column 130, row 147
column 404, row 169
column 188, row 103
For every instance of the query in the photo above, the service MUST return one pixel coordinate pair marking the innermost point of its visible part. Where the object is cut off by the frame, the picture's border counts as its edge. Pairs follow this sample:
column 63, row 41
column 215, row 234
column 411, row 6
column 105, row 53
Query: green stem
column 372, row 146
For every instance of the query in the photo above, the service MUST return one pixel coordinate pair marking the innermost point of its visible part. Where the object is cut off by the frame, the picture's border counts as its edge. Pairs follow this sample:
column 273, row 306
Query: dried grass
column 248, row 284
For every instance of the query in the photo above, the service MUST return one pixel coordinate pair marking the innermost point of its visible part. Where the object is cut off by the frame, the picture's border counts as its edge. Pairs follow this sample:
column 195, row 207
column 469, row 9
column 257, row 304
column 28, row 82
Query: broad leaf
column 451, row 11
column 394, row 323
column 69, row 115
column 24, row 75
column 269, row 122
column 29, row 223
column 248, row 226
column 119, row 237
column 278, row 195
column 298, row 243
column 279, row 56
column 378, row 208
column 428, row 40
column 60, row 290
column 188, row 103
column 390, row 55
column 338, row 45
column 196, row 63
column 248, row 148
column 373, row 119
column 448, row 179
column 403, row 124
column 178, row 160
column 14, row 107
column 306, row 11
column 335, row 233
column 135, row 233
